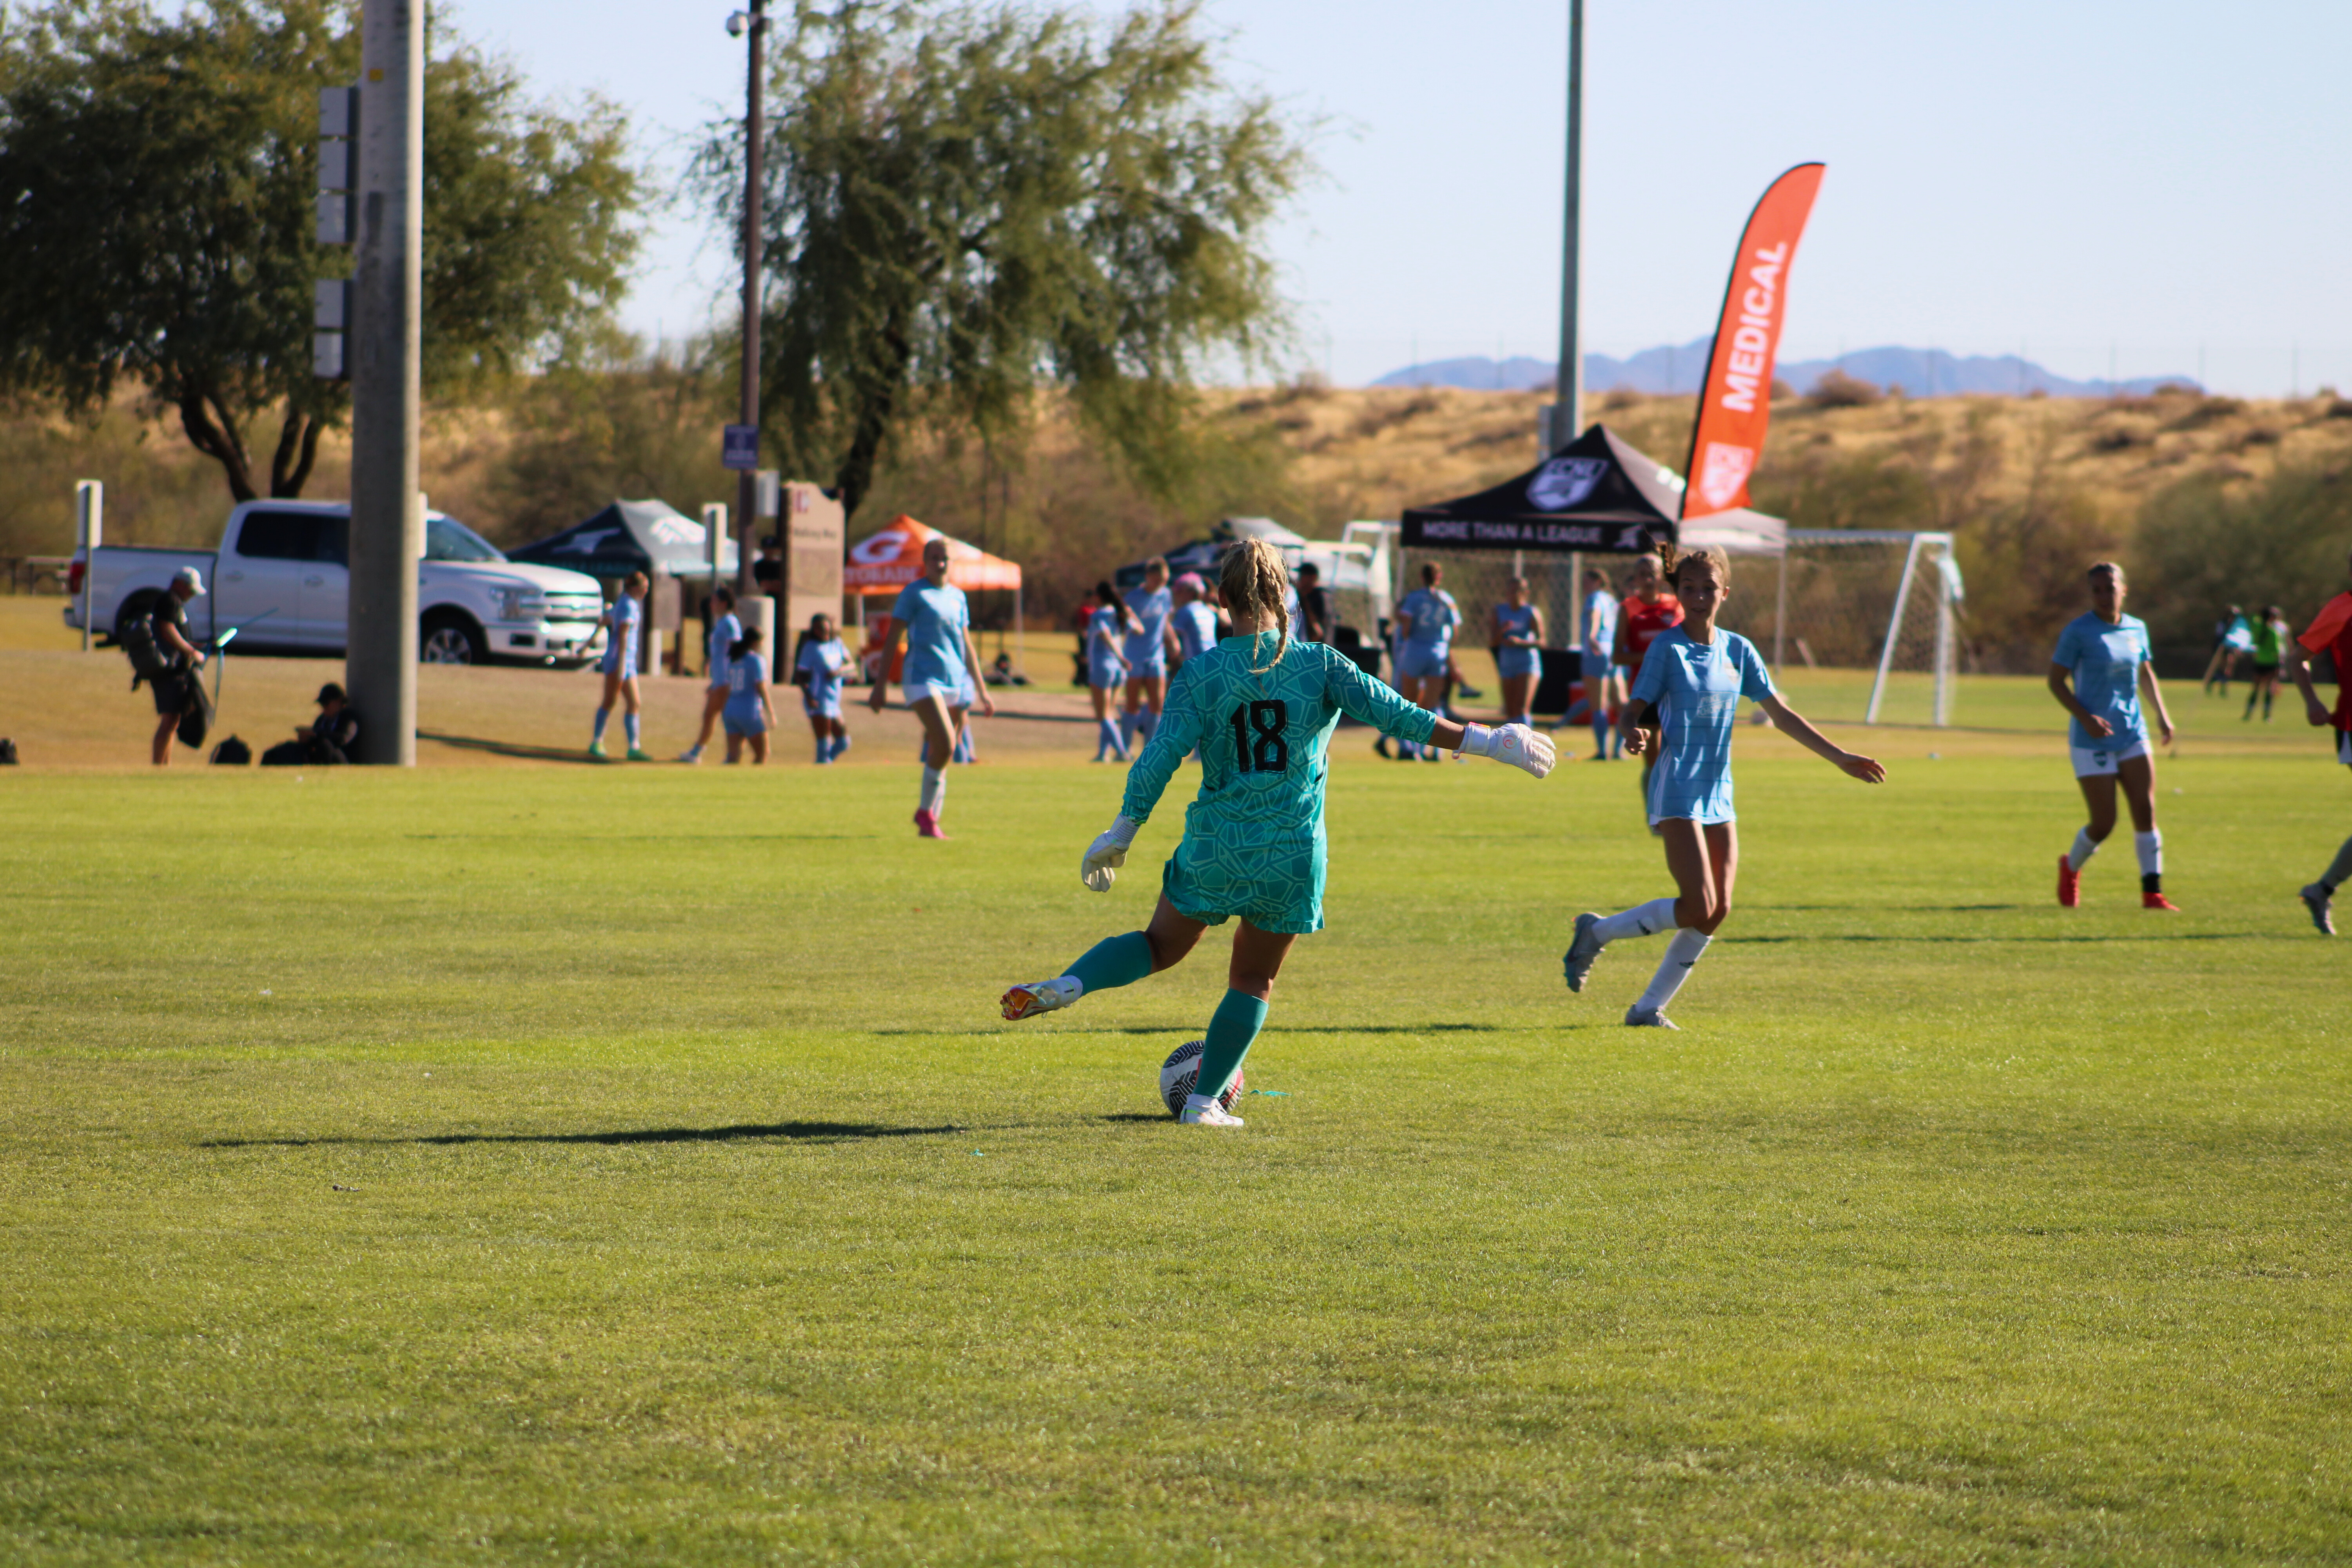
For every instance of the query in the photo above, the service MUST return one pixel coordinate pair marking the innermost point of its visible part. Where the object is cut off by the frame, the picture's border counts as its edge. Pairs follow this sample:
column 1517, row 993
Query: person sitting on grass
column 328, row 742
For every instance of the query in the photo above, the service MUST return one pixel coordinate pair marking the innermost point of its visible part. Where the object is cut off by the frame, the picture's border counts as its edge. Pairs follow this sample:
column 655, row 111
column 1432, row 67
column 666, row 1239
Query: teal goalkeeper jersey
column 1262, row 738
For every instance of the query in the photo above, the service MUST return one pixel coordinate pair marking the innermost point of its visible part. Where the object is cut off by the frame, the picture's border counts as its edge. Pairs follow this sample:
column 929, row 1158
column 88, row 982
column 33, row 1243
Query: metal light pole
column 755, row 127
column 387, row 525
column 1564, row 420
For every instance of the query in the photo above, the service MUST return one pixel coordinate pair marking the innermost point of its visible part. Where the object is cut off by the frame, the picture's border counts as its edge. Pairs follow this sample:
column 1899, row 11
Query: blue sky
column 2152, row 185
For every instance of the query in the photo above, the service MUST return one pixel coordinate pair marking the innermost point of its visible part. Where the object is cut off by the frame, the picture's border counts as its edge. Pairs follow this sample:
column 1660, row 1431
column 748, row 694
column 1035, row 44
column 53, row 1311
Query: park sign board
column 739, row 447
column 1597, row 495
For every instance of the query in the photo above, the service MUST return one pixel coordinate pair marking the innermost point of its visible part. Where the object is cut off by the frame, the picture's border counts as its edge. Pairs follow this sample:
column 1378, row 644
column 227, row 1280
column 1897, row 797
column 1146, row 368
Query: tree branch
column 221, row 447
column 296, row 454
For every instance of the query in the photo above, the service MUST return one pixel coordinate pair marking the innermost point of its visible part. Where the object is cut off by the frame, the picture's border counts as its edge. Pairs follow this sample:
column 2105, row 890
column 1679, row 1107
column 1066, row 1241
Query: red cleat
column 2070, row 884
column 927, row 826
column 2159, row 901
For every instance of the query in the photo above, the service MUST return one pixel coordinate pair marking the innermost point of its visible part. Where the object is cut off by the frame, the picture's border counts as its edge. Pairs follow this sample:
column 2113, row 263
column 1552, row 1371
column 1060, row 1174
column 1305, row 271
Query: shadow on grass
column 2034, row 941
column 513, row 749
column 1161, row 1029
column 816, row 1131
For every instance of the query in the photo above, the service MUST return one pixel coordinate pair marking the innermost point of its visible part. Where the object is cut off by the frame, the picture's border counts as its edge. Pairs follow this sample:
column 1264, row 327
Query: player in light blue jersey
column 942, row 675
column 823, row 659
column 1261, row 708
column 749, row 715
column 1684, row 705
column 1106, row 627
column 1149, row 641
column 2107, row 657
column 1425, row 621
column 1604, row 677
column 625, row 618
column 1195, row 620
column 725, row 629
column 1516, row 636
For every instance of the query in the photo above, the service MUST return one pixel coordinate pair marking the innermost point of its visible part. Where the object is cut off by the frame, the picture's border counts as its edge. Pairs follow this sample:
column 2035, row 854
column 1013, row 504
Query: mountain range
column 1677, row 369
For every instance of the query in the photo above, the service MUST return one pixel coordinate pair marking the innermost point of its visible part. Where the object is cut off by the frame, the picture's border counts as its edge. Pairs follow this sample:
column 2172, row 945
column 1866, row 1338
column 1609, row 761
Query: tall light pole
column 387, row 526
column 755, row 131
column 1563, row 421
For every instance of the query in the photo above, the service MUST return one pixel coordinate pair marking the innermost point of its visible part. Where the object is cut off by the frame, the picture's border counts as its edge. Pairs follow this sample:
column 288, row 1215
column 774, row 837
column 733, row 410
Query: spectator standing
column 622, row 618
column 168, row 620
column 1315, row 619
column 823, row 661
column 726, row 627
column 749, row 715
column 1603, row 674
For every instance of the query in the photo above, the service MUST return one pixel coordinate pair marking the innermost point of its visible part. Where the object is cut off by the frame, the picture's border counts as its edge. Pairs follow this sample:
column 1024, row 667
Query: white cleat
column 1583, row 952
column 1201, row 1112
column 1640, row 1020
column 1042, row 996
column 691, row 755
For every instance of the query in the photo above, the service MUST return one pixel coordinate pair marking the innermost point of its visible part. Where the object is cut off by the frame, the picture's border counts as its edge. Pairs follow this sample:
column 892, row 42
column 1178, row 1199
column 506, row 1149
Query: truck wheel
column 447, row 638
column 133, row 610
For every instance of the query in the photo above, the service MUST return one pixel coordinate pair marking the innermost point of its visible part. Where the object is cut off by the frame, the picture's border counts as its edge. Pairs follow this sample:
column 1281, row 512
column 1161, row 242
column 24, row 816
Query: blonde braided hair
column 1252, row 578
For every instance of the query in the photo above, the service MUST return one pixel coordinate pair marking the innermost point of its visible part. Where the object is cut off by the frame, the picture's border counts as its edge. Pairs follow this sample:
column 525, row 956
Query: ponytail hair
column 1252, row 578
column 1713, row 554
column 1108, row 597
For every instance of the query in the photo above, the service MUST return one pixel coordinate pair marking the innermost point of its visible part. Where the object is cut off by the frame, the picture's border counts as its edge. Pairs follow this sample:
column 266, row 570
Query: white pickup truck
column 281, row 578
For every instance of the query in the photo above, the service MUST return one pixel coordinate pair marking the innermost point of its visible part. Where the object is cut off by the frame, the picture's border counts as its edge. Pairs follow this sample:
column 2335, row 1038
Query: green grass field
column 626, row 1167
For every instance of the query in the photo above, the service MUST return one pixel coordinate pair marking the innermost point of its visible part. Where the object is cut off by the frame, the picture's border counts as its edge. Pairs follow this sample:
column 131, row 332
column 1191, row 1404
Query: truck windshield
column 447, row 539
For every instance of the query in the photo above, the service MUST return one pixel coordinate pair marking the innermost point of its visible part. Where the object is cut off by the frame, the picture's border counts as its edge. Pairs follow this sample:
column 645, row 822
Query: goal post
column 1863, row 621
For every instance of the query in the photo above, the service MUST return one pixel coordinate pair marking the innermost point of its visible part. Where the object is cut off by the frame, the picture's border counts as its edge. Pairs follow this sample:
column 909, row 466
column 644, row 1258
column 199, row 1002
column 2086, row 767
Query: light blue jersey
column 1515, row 661
column 1601, row 615
column 746, row 681
column 1697, row 688
column 1196, row 629
column 2105, row 661
column 1146, row 650
column 936, row 620
column 1435, row 615
column 825, row 663
column 623, row 616
column 1253, row 842
column 723, row 636
column 1103, row 667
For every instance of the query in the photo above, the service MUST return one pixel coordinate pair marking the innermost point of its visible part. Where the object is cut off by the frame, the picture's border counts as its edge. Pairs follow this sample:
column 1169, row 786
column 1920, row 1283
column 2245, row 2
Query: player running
column 1648, row 612
column 941, row 677
column 2330, row 632
column 622, row 618
column 1683, row 707
column 1148, row 642
column 2108, row 656
column 1518, row 636
column 1261, row 708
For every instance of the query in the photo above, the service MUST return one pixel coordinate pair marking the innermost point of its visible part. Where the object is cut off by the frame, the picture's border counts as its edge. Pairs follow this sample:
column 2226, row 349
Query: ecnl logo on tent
column 1723, row 470
column 1564, row 481
column 587, row 543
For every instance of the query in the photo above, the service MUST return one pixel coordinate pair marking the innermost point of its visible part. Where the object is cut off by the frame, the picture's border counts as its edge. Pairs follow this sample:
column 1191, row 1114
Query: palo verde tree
column 964, row 204
column 156, row 178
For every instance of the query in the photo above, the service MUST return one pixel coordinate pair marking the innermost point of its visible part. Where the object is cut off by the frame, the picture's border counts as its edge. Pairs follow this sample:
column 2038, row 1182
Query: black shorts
column 170, row 695
column 2260, row 668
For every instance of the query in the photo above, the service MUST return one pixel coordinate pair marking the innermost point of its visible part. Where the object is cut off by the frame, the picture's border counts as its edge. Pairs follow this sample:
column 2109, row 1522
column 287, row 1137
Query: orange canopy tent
column 892, row 556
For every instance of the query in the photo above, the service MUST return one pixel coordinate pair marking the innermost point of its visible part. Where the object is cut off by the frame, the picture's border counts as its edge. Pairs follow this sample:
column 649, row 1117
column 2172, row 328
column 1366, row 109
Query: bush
column 2204, row 543
column 1838, row 390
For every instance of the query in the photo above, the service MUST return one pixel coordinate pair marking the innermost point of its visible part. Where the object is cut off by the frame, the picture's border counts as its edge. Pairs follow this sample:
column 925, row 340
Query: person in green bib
column 2270, row 632
column 1261, row 709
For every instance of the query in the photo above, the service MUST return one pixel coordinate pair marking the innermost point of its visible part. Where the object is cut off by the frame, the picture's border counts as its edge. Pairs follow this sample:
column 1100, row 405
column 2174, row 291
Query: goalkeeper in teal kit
column 1261, row 709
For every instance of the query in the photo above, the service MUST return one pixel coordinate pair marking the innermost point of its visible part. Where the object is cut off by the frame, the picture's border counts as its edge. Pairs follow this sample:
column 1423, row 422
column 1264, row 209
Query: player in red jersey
column 1649, row 611
column 2330, row 632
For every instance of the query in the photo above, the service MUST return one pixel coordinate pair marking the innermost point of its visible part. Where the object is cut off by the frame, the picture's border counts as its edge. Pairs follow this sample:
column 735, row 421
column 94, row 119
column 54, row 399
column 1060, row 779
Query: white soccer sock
column 2150, row 848
column 934, row 788
column 2085, row 848
column 1673, row 970
column 1641, row 920
column 629, row 728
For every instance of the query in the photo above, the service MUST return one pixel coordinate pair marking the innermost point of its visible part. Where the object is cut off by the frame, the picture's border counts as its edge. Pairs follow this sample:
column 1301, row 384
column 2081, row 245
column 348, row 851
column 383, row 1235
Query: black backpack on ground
column 231, row 754
column 286, row 754
column 7, row 753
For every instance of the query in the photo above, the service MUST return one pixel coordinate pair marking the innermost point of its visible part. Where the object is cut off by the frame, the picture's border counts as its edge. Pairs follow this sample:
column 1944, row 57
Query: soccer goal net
column 1859, row 626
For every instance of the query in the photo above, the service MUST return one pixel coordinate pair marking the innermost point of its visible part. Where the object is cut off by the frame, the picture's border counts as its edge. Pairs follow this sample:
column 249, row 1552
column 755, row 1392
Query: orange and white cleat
column 2159, row 901
column 2070, row 884
column 1041, row 996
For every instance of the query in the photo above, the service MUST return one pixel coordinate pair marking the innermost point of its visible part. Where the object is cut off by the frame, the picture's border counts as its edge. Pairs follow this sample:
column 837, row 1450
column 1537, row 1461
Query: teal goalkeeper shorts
column 1275, row 889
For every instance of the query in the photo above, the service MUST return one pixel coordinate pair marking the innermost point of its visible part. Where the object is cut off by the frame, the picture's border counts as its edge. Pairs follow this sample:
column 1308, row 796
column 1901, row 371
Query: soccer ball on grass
column 1183, row 1070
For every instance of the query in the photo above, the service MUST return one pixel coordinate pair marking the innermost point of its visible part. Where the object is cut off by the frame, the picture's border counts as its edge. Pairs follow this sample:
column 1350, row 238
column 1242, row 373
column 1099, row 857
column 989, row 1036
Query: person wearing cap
column 331, row 740
column 170, row 620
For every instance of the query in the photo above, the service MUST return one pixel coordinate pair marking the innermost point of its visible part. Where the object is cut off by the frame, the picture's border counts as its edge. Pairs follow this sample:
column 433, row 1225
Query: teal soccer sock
column 1237, row 1020
column 1114, row 962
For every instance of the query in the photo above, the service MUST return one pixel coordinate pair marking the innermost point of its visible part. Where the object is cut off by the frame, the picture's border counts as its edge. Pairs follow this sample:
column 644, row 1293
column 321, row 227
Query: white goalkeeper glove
column 1526, row 750
column 1105, row 855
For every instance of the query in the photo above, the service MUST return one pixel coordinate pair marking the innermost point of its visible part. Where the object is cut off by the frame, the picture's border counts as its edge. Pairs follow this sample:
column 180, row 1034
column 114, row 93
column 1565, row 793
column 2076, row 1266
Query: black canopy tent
column 630, row 536
column 1597, row 495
